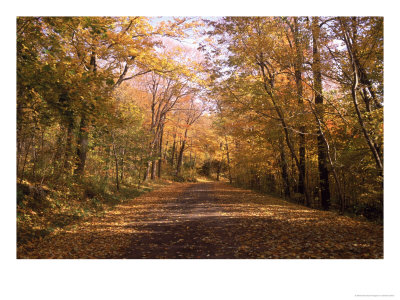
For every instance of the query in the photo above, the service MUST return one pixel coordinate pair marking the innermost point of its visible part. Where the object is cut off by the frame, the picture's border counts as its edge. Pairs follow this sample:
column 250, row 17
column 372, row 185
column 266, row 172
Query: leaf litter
column 211, row 220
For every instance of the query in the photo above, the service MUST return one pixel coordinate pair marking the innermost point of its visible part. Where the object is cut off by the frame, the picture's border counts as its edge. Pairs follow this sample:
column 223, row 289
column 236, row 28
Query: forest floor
column 211, row 220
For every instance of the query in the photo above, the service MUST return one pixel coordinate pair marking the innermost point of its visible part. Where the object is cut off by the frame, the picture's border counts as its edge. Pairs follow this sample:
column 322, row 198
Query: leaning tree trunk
column 269, row 86
column 354, row 89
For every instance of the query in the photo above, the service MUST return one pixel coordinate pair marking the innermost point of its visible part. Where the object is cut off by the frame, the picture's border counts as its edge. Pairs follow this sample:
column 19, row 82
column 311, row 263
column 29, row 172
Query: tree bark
column 354, row 88
column 228, row 160
column 116, row 163
column 68, row 144
column 25, row 160
column 299, row 87
column 83, row 140
column 160, row 151
column 327, row 147
column 268, row 86
column 180, row 157
column 319, row 100
column 149, row 169
column 122, row 165
column 57, row 153
column 82, row 147
column 153, row 169
column 284, row 172
column 219, row 169
column 173, row 152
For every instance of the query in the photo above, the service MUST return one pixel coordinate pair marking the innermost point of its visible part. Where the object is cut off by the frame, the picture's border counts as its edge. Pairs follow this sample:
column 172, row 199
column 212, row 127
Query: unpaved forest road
column 211, row 220
column 214, row 220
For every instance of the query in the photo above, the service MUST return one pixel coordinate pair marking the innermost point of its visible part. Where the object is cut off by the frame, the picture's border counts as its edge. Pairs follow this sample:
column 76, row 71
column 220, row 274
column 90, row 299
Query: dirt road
column 212, row 220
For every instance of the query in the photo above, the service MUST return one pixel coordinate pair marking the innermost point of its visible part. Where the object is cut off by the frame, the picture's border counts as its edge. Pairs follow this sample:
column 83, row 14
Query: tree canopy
column 290, row 106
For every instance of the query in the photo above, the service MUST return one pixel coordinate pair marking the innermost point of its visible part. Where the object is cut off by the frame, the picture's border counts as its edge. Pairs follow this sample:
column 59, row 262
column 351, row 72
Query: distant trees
column 166, row 93
column 287, row 105
column 80, row 112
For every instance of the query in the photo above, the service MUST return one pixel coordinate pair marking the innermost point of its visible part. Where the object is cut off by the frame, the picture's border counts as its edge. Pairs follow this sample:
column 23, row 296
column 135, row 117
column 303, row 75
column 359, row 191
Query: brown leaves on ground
column 98, row 237
column 279, row 229
column 212, row 220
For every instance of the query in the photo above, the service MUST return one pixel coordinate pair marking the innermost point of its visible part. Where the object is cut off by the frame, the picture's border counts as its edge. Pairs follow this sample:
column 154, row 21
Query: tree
column 263, row 70
column 319, row 100
column 192, row 112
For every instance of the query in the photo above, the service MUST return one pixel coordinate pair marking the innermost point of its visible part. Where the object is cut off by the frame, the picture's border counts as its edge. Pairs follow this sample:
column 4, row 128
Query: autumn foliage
column 111, row 107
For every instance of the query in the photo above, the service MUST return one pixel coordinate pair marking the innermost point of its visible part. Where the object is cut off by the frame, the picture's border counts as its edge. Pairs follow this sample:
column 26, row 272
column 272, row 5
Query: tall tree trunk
column 34, row 156
column 354, row 88
column 160, row 151
column 116, row 163
column 57, row 152
column 178, row 146
column 68, row 144
column 335, row 175
column 283, row 164
column 165, row 149
column 298, row 71
column 269, row 86
column 20, row 143
column 82, row 147
column 122, row 164
column 149, row 168
column 190, row 150
column 180, row 157
column 219, row 169
column 228, row 160
column 153, row 169
column 173, row 151
column 25, row 160
column 147, row 171
column 83, row 140
column 319, row 100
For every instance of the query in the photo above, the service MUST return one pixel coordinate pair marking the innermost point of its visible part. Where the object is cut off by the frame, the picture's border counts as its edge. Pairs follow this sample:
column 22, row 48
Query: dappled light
column 199, row 137
column 212, row 220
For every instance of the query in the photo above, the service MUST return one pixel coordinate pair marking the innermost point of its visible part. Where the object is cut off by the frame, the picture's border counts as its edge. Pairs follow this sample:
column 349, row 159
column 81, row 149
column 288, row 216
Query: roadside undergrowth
column 46, row 209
